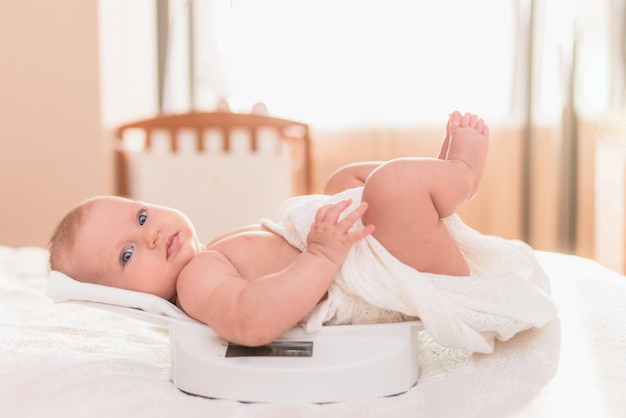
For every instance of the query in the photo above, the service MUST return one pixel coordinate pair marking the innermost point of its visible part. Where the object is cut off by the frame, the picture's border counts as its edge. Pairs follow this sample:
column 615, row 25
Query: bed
column 69, row 360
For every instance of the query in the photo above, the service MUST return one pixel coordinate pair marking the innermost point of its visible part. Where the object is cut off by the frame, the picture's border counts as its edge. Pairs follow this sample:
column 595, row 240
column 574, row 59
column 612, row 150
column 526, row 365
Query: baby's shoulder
column 235, row 232
column 204, row 273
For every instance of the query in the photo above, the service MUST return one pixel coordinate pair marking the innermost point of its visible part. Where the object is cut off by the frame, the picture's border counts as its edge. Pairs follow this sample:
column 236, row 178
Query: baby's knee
column 395, row 179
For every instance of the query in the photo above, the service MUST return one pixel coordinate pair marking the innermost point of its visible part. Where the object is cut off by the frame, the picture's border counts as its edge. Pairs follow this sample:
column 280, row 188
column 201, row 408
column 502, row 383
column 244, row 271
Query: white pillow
column 62, row 288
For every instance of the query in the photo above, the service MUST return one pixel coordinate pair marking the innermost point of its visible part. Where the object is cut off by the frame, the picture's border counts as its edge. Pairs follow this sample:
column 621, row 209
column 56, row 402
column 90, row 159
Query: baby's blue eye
column 142, row 217
column 126, row 255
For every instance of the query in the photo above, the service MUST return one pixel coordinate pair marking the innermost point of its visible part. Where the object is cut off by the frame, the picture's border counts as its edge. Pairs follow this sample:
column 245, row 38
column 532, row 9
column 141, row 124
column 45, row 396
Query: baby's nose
column 152, row 237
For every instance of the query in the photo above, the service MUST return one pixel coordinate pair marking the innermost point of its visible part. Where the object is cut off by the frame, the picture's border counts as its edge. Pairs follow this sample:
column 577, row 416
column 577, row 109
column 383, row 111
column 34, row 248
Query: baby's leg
column 445, row 144
column 408, row 197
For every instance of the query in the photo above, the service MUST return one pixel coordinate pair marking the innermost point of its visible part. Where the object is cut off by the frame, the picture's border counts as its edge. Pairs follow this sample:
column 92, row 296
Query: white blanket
column 507, row 292
column 68, row 360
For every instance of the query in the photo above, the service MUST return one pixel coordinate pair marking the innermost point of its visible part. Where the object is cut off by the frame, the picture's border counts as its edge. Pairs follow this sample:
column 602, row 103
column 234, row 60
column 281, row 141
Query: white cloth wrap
column 507, row 291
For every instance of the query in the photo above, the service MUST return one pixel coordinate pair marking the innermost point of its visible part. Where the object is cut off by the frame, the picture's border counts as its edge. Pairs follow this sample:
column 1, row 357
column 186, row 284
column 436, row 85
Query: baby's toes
column 455, row 120
column 466, row 120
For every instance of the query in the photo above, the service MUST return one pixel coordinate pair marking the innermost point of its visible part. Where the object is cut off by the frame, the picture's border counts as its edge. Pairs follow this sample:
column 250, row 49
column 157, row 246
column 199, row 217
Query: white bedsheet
column 68, row 360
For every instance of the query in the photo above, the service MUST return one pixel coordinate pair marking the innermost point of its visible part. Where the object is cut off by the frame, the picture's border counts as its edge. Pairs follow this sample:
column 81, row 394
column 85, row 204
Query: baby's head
column 124, row 243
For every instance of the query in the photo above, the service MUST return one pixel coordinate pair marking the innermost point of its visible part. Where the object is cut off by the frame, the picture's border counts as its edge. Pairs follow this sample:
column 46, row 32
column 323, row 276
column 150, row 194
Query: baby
column 380, row 245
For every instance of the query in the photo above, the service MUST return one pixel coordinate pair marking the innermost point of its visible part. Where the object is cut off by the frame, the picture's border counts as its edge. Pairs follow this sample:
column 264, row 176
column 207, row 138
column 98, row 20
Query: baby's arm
column 256, row 312
column 349, row 176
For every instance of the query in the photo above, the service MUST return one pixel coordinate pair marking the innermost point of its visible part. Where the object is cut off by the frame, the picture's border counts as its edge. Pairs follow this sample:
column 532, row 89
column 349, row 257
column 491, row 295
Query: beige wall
column 52, row 152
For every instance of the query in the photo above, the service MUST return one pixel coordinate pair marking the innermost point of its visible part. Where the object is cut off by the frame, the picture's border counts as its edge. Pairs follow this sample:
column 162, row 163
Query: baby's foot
column 469, row 140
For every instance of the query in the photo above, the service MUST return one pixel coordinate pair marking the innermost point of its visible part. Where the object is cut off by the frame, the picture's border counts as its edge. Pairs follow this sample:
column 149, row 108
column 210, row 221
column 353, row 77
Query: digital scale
column 337, row 363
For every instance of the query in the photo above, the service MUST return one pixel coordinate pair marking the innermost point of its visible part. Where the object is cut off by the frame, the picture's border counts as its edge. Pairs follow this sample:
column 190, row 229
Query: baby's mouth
column 171, row 245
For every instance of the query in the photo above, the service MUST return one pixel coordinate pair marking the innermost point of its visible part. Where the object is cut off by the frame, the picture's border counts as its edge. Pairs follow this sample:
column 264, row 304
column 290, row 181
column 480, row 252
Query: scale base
column 338, row 363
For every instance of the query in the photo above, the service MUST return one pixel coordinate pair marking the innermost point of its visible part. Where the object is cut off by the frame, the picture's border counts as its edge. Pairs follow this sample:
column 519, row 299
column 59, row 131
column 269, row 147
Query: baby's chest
column 259, row 253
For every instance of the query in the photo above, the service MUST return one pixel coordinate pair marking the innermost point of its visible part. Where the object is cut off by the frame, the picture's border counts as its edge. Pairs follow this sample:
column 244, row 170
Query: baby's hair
column 62, row 240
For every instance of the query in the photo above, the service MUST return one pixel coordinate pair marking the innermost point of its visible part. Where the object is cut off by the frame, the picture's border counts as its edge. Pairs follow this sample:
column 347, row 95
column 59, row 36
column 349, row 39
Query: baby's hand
column 330, row 237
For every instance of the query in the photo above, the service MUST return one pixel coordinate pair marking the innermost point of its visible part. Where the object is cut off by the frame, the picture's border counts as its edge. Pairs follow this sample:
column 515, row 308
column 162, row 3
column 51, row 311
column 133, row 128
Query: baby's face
column 131, row 245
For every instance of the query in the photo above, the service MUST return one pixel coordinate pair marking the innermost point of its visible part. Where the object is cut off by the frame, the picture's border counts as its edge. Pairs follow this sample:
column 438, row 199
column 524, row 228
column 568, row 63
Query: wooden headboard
column 296, row 133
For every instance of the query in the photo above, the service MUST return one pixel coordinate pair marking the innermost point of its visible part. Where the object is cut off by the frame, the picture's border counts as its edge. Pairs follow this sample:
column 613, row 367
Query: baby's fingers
column 359, row 234
column 353, row 216
column 331, row 211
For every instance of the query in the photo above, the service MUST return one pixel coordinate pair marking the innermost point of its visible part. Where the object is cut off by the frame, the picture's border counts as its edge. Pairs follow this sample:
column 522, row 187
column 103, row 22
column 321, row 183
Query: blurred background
column 372, row 79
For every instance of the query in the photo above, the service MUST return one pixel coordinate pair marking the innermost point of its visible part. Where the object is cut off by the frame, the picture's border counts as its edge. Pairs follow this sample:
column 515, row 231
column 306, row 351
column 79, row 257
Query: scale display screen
column 275, row 349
